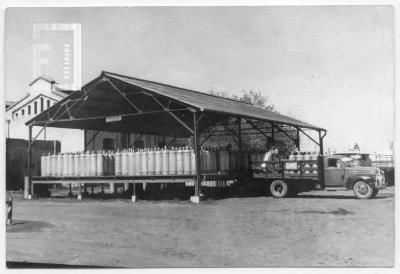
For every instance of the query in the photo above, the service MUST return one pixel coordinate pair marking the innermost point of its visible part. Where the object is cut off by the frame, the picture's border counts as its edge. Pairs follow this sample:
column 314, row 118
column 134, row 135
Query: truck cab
column 346, row 172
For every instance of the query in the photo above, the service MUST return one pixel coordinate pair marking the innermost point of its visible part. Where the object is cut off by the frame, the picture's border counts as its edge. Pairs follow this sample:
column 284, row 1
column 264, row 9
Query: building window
column 41, row 104
column 108, row 144
column 16, row 115
column 29, row 110
column 22, row 112
column 35, row 108
column 48, row 103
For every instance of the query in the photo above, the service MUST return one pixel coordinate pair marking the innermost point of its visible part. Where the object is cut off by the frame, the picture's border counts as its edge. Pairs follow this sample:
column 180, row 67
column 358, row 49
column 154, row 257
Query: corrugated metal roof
column 208, row 102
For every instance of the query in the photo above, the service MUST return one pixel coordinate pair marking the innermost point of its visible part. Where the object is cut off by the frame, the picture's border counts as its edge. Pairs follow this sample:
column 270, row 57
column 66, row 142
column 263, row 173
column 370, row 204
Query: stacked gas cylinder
column 89, row 163
column 164, row 161
column 305, row 159
column 130, row 162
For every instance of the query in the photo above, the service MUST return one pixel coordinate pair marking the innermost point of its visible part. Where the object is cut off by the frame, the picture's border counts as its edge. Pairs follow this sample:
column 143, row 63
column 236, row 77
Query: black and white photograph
column 197, row 136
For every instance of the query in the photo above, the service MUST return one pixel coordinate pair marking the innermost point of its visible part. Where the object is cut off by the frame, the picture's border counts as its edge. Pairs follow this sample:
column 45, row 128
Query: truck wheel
column 278, row 189
column 362, row 190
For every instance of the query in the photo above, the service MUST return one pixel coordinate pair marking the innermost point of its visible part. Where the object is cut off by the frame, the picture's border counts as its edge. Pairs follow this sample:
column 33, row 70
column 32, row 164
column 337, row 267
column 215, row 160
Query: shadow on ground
column 12, row 264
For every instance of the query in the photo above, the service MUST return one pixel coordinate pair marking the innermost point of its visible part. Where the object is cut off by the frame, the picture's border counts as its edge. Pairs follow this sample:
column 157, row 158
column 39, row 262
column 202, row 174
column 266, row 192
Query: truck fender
column 353, row 179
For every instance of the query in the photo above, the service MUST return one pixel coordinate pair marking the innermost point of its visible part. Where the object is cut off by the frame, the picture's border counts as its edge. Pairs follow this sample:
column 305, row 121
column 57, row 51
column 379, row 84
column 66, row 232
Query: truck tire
column 362, row 190
column 278, row 189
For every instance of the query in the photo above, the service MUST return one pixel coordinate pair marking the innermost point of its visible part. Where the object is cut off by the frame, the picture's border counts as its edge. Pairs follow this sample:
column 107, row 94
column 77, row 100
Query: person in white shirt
column 271, row 154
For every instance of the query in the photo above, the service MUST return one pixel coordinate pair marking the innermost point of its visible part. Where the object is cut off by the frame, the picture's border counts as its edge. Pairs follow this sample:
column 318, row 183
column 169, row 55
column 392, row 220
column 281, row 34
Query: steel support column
column 197, row 184
column 273, row 134
column 321, row 143
column 298, row 139
column 30, row 161
column 239, row 133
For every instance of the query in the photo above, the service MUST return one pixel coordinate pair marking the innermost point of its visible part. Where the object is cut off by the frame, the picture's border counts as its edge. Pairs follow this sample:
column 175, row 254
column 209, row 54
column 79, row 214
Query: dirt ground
column 319, row 228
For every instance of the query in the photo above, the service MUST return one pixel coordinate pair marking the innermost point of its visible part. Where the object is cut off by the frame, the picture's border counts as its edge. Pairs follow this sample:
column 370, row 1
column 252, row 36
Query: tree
column 248, row 96
column 251, row 139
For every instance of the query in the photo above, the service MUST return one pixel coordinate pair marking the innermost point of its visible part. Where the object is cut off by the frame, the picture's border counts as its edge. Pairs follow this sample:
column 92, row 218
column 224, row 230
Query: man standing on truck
column 271, row 155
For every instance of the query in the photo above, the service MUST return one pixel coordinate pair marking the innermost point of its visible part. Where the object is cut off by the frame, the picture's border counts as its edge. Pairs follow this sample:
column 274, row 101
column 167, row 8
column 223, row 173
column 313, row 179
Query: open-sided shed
column 113, row 102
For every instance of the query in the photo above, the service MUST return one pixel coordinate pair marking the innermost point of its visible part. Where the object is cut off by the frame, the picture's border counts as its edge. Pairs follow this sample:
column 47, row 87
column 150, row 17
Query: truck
column 289, row 177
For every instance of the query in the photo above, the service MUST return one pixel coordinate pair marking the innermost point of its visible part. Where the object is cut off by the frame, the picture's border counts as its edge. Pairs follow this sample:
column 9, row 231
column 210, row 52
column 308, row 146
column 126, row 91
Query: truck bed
column 289, row 169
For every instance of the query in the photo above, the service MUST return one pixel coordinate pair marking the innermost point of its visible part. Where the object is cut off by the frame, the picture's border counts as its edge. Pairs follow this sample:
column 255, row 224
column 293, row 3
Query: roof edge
column 159, row 83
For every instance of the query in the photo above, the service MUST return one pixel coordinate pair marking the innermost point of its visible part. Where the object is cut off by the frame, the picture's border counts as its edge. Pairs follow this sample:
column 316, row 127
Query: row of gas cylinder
column 78, row 164
column 303, row 156
column 130, row 162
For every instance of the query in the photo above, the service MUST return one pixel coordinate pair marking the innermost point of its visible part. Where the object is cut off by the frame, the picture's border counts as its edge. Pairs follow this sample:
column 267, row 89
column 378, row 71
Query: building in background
column 42, row 94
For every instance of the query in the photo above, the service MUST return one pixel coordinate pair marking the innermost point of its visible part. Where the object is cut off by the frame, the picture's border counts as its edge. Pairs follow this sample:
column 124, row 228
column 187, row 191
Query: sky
column 331, row 66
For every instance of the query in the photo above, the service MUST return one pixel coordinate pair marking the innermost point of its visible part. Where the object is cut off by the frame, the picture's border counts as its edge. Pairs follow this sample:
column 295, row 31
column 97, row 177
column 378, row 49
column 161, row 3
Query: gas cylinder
column 111, row 164
column 213, row 154
column 76, row 159
column 88, row 165
column 70, row 166
column 157, row 162
column 99, row 163
column 131, row 160
column 172, row 162
column 292, row 157
column 150, row 162
column 138, row 162
column 64, row 171
column 117, row 165
column 164, row 161
column 48, row 164
column 307, row 156
column 124, row 163
column 192, row 162
column 107, row 163
column 186, row 160
column 179, row 161
column 53, row 159
column 93, row 164
column 43, row 165
column 232, row 160
column 82, row 164
column 59, row 165
column 202, row 160
column 144, row 162
column 224, row 160
column 207, row 163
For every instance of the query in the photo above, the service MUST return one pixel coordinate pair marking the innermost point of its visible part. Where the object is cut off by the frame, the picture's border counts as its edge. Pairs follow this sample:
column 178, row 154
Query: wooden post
column 30, row 192
column 298, row 139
